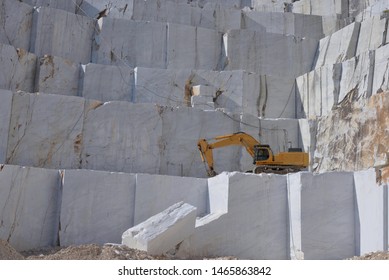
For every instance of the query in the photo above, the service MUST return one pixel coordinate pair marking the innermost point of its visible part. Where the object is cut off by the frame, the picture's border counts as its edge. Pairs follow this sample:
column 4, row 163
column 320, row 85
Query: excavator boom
column 263, row 157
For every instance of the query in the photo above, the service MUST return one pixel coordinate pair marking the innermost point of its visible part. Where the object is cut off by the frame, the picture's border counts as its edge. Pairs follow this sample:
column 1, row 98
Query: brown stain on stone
column 78, row 143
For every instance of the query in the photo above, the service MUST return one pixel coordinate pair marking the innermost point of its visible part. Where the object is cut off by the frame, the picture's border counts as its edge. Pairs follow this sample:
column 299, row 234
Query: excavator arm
column 239, row 138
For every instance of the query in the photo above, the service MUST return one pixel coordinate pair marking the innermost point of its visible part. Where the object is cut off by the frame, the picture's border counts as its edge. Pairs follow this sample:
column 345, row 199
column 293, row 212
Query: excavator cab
column 261, row 153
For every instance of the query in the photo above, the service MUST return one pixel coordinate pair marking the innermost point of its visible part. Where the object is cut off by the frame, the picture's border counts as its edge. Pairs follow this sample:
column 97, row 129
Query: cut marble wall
column 17, row 69
column 268, row 53
column 381, row 74
column 5, row 116
column 67, row 5
column 357, row 77
column 339, row 46
column 370, row 212
column 60, row 33
column 106, row 82
column 307, row 137
column 318, row 91
column 223, row 16
column 111, row 8
column 327, row 214
column 321, row 8
column 285, row 23
column 371, row 35
column 23, row 191
column 192, row 47
column 365, row 9
column 97, row 207
column 263, row 194
column 155, row 193
column 15, row 24
column 130, row 43
column 121, row 136
column 161, row 86
column 45, row 130
column 182, row 128
column 57, row 76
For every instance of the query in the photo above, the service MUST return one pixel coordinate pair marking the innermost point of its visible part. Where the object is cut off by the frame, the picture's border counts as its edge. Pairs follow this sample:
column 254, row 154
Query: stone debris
column 164, row 231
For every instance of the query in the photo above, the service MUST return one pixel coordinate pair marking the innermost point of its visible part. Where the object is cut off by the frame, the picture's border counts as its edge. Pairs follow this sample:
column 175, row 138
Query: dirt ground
column 111, row 252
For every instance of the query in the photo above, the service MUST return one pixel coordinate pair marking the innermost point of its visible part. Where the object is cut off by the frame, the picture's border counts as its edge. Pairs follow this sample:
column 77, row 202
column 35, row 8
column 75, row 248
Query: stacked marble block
column 58, row 131
column 62, row 69
column 302, row 216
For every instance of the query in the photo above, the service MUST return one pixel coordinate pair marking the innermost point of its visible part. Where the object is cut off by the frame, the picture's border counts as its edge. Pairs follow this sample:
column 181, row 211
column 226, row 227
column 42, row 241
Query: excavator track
column 275, row 169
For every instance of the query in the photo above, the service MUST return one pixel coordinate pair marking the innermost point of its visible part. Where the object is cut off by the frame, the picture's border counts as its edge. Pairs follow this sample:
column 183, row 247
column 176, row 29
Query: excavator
column 263, row 158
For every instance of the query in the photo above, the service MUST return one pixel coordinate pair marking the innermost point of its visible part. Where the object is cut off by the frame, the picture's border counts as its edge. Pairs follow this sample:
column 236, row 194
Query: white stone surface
column 121, row 136
column 295, row 223
column 370, row 212
column 60, row 33
column 15, row 23
column 298, row 25
column 164, row 231
column 96, row 206
column 203, row 102
column 371, row 35
column 29, row 206
column 262, row 237
column 67, row 5
column 112, row 8
column 322, row 8
column 182, row 128
column 307, row 137
column 17, row 69
column 381, row 74
column 268, row 53
column 161, row 86
column 318, row 91
column 192, row 47
column 155, row 193
column 328, row 215
column 203, row 90
column 339, row 46
column 107, row 83
column 46, row 130
column 357, row 77
column 130, row 43
column 5, row 116
column 57, row 75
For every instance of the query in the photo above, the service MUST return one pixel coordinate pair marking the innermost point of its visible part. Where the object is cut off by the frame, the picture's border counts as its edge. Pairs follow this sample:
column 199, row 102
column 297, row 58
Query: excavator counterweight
column 263, row 158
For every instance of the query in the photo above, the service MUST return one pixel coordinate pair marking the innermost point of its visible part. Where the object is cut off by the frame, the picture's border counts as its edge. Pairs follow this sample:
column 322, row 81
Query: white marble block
column 130, row 43
column 161, row 86
column 57, row 76
column 16, row 23
column 5, row 116
column 60, row 33
column 154, row 193
column 327, row 214
column 107, row 83
column 163, row 231
column 17, row 70
column 46, row 130
column 122, row 136
column 339, row 46
column 116, row 8
column 192, row 47
column 29, row 206
column 96, row 207
column 67, row 5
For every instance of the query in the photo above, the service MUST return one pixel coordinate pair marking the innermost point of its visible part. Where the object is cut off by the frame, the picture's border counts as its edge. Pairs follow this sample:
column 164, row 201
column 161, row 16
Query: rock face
column 359, row 139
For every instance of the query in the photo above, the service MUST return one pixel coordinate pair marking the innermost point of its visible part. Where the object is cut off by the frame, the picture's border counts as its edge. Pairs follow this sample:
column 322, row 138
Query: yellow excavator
column 263, row 158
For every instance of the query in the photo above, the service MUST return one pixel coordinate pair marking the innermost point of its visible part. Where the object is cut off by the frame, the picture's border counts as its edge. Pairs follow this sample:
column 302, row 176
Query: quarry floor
column 113, row 252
